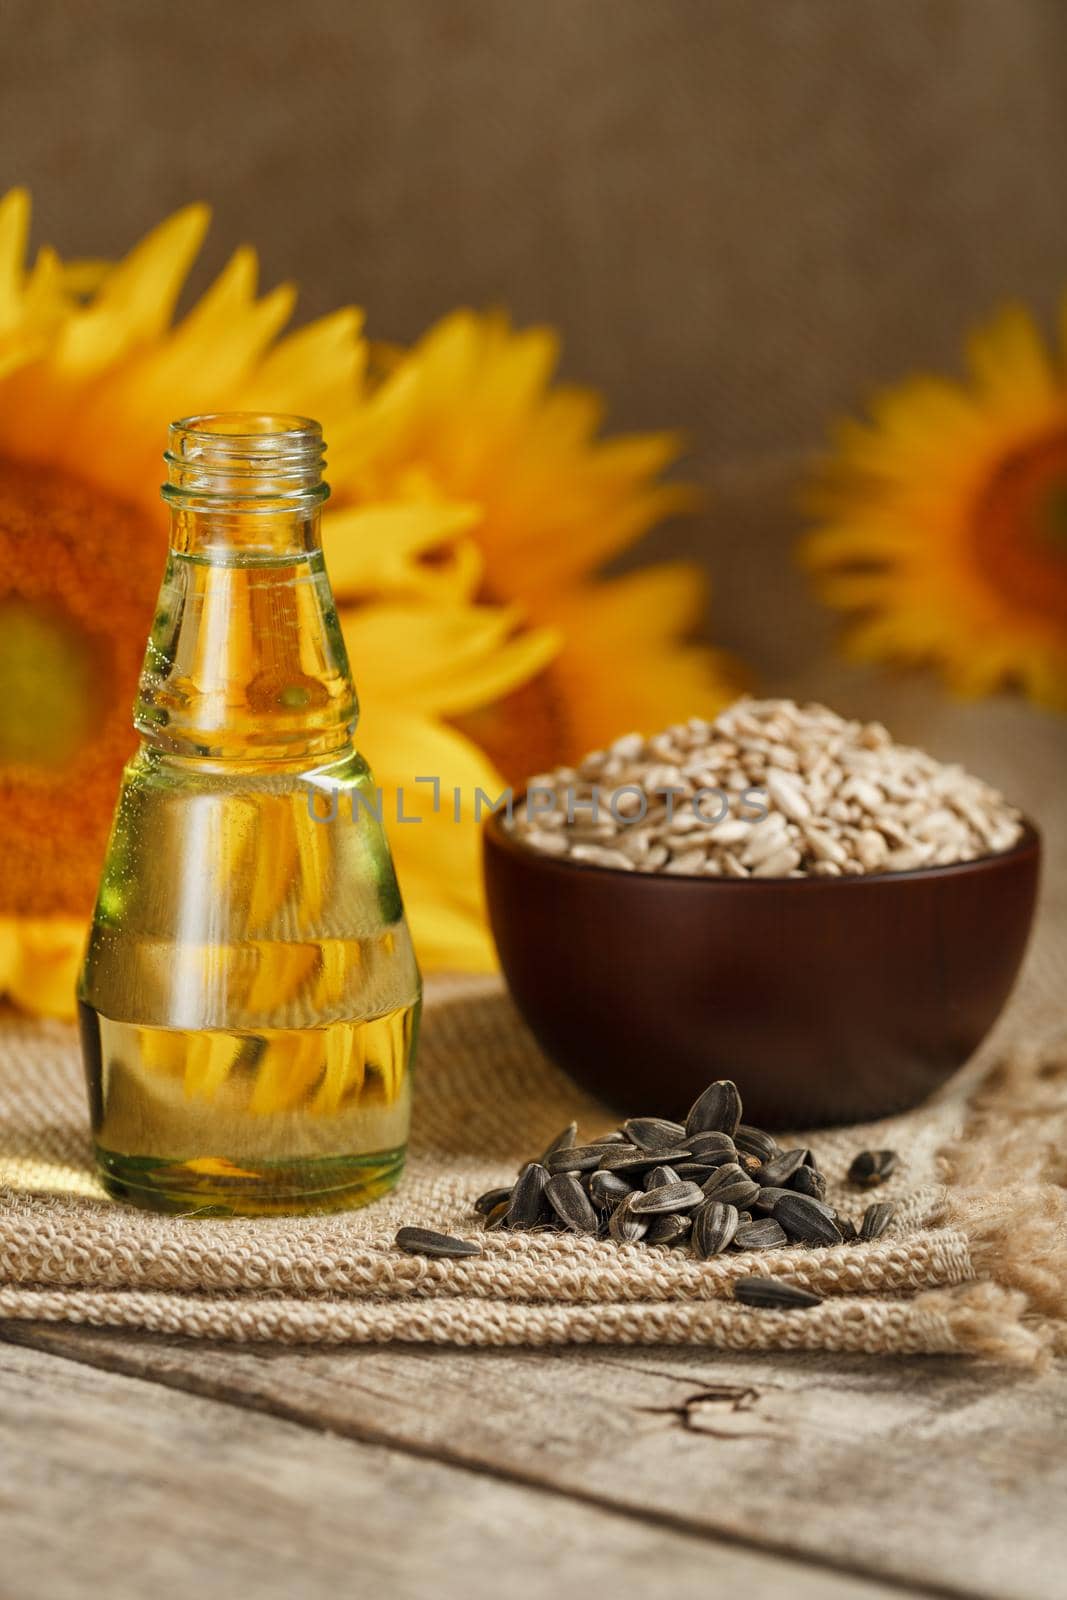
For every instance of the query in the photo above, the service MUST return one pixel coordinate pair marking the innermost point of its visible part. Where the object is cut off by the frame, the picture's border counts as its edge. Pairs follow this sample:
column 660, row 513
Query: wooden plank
column 910, row 1471
column 115, row 1486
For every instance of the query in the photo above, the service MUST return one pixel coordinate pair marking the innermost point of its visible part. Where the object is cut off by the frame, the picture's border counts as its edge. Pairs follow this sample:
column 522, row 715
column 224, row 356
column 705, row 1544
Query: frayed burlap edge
column 1005, row 1191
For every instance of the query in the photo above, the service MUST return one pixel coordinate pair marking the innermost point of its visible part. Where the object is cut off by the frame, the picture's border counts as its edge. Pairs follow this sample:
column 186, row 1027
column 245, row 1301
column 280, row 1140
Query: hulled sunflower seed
column 714, row 1225
column 780, row 1168
column 624, row 1227
column 806, row 1219
column 527, row 1205
column 730, row 1186
column 876, row 1219
column 810, row 1181
column 762, row 1233
column 754, row 1142
column 606, row 1189
column 683, row 1196
column 566, row 1139
column 872, row 1167
column 491, row 1199
column 671, row 1228
column 774, row 1294
column 577, row 1158
column 658, row 1177
column 425, row 1242
column 842, row 798
column 571, row 1204
column 717, row 1110
column 654, row 1133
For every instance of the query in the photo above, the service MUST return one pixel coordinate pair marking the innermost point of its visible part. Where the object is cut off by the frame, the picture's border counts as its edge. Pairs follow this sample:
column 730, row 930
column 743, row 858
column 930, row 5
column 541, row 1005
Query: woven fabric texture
column 949, row 1277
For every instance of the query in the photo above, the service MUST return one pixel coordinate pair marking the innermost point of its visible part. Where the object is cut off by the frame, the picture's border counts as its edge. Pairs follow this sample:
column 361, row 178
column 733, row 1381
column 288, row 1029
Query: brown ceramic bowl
column 827, row 999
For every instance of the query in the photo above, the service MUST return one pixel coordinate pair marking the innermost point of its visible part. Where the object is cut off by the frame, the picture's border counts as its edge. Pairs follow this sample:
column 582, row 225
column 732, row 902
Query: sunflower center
column 1020, row 528
column 45, row 670
column 525, row 733
column 79, row 571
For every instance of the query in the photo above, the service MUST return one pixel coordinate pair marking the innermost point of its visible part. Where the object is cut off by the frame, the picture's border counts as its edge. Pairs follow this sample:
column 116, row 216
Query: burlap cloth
column 975, row 1262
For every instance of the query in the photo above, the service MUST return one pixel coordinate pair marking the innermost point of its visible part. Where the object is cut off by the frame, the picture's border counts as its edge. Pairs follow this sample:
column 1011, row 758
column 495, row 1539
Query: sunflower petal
column 447, row 659
column 381, row 550
column 42, row 968
column 438, row 857
column 136, row 300
column 14, row 232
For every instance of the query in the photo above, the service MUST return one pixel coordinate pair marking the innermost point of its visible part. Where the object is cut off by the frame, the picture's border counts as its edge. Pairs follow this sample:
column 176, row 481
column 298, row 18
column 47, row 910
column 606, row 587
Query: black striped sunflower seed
column 872, row 1167
column 730, row 1186
column 709, row 1142
column 425, row 1242
column 754, row 1142
column 780, row 1168
column 696, row 1170
column 490, row 1200
column 774, row 1294
column 495, row 1218
column 527, row 1205
column 806, row 1219
column 624, row 1227
column 606, row 1189
column 670, row 1228
column 654, row 1133
column 630, row 1162
column 876, row 1219
column 762, row 1233
column 566, row 1139
column 810, row 1181
column 717, row 1158
column 658, row 1177
column 571, row 1204
column 714, row 1225
column 768, row 1198
column 717, row 1110
column 577, row 1158
column 683, row 1196
column 849, row 1231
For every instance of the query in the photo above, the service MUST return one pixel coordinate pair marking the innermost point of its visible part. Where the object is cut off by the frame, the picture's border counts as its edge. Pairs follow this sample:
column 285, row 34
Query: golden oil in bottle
column 249, row 1000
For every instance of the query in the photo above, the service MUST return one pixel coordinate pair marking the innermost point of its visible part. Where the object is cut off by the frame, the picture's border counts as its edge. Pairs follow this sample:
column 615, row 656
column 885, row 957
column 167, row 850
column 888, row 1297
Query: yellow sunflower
column 86, row 390
column 473, row 503
column 472, row 413
column 944, row 520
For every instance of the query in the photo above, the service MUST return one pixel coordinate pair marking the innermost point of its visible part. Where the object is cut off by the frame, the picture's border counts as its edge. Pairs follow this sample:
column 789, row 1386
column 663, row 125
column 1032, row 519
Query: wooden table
column 134, row 1466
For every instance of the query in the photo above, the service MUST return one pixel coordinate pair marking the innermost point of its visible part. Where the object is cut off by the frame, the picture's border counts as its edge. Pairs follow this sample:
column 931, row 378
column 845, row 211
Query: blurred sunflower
column 945, row 520
column 473, row 411
column 471, row 504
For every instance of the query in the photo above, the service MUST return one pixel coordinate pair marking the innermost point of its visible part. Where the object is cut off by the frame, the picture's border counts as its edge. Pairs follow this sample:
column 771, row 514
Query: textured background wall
column 742, row 213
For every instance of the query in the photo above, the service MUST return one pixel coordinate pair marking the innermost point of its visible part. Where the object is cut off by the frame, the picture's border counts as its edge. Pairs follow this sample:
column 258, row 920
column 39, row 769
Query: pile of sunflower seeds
column 711, row 1184
column 769, row 789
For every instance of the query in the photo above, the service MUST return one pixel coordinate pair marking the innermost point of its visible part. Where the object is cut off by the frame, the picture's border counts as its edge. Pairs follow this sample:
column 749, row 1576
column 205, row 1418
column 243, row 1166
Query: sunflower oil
column 249, row 1000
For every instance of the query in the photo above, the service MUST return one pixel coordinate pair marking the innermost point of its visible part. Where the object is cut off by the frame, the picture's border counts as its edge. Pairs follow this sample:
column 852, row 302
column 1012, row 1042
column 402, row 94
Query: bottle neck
column 245, row 661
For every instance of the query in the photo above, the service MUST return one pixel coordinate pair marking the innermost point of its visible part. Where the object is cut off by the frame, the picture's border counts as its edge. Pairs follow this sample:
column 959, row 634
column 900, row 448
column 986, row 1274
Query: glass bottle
column 249, row 1000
